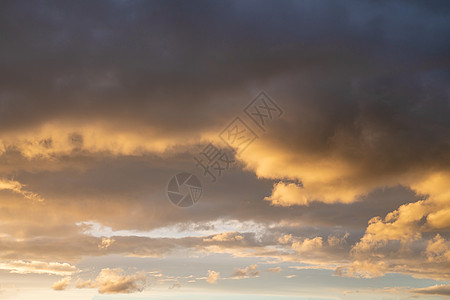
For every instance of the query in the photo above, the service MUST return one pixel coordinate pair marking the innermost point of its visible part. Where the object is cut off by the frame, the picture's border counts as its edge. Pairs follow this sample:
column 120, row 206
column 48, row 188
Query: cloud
column 364, row 269
column 322, row 179
column 364, row 135
column 443, row 290
column 212, row 277
column 438, row 250
column 81, row 284
column 58, row 139
column 402, row 237
column 336, row 241
column 62, row 284
column 38, row 267
column 225, row 237
column 275, row 270
column 285, row 239
column 113, row 281
column 308, row 244
column 106, row 242
column 250, row 271
column 287, row 195
column 17, row 187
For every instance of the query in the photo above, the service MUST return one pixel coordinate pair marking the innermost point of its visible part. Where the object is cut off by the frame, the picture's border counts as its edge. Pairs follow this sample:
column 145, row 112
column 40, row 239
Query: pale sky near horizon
column 217, row 150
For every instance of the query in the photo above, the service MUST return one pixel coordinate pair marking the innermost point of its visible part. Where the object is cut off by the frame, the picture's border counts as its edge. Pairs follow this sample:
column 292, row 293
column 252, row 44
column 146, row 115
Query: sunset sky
column 328, row 122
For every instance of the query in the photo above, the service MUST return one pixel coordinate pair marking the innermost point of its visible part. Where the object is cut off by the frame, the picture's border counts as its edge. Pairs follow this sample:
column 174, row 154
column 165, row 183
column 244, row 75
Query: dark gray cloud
column 368, row 80
column 156, row 62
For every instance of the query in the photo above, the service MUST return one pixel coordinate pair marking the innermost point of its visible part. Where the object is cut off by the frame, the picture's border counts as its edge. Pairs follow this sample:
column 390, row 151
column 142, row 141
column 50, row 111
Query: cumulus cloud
column 106, row 242
column 81, row 284
column 250, row 271
column 113, row 281
column 62, row 284
column 337, row 241
column 212, row 277
column 438, row 250
column 285, row 239
column 405, row 231
column 308, row 244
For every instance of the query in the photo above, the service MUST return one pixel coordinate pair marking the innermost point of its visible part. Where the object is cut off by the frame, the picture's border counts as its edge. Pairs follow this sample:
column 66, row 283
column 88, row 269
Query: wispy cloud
column 17, row 187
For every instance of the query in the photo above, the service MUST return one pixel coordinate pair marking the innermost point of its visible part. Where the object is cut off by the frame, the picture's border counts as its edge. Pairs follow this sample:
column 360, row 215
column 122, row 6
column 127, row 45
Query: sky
column 258, row 150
